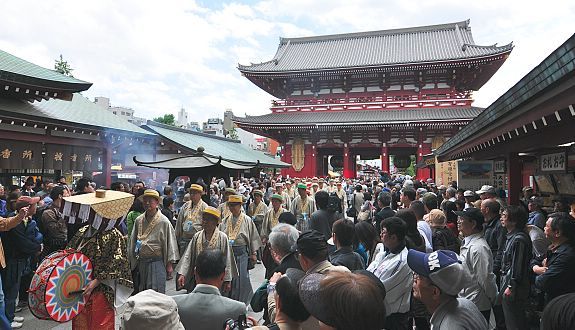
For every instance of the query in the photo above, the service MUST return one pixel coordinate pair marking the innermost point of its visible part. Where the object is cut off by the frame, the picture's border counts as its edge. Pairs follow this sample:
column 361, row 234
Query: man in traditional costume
column 210, row 237
column 152, row 247
column 257, row 209
column 271, row 218
column 285, row 195
column 190, row 217
column 302, row 207
column 223, row 207
column 245, row 241
column 290, row 191
column 340, row 192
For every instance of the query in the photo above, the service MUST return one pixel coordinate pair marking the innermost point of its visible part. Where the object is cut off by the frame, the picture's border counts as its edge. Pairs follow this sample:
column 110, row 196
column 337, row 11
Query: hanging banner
column 445, row 172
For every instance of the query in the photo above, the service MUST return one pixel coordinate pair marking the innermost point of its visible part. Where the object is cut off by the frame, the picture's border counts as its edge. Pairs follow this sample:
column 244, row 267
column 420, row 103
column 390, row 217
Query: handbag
column 352, row 212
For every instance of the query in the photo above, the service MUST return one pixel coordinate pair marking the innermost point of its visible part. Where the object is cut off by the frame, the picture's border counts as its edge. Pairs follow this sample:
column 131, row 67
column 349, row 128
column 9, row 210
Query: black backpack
column 333, row 203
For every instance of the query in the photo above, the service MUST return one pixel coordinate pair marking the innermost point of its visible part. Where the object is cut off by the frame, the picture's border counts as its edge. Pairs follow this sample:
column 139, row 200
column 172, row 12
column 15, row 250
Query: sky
column 159, row 56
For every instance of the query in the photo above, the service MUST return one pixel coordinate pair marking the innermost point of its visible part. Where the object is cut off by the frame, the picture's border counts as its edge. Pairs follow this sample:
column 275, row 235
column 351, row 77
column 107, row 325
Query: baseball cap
column 486, row 189
column 311, row 242
column 301, row 186
column 472, row 213
column 468, row 193
column 442, row 267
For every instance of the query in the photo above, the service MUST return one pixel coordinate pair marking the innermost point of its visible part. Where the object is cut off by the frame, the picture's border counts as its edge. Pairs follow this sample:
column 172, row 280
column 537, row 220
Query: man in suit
column 384, row 202
column 205, row 307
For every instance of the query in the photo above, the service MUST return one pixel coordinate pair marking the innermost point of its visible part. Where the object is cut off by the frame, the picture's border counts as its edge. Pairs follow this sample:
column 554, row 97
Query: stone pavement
column 32, row 323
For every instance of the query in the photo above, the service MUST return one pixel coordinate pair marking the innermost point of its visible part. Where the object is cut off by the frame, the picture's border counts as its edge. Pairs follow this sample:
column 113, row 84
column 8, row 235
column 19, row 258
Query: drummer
column 245, row 241
column 190, row 217
column 112, row 282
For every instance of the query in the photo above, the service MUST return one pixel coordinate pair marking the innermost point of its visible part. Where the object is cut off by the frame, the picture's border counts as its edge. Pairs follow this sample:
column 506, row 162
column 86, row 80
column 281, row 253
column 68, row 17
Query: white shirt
column 425, row 231
column 396, row 276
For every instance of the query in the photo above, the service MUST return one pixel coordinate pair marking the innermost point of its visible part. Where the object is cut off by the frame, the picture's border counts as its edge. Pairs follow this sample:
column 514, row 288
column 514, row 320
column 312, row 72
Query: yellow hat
column 196, row 187
column 258, row 192
column 235, row 199
column 151, row 193
column 212, row 211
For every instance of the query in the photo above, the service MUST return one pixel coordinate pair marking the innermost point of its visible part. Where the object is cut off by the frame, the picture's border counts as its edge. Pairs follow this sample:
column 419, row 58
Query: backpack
column 333, row 202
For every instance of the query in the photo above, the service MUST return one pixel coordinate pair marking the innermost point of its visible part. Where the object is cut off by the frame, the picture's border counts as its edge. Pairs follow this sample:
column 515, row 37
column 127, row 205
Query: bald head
column 490, row 207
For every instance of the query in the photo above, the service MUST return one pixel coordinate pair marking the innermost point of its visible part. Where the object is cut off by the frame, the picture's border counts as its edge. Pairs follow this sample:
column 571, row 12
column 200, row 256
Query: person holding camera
column 205, row 307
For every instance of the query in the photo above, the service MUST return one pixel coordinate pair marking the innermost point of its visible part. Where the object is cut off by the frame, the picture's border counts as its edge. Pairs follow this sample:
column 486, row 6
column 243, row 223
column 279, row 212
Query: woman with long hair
column 368, row 237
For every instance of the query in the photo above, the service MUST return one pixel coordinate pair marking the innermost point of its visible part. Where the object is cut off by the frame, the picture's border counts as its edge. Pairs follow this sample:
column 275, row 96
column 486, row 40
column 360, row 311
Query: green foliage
column 411, row 169
column 232, row 134
column 167, row 119
column 63, row 67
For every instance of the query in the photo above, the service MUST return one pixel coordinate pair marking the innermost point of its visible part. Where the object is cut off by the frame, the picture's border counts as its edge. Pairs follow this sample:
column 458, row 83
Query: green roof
column 213, row 145
column 79, row 110
column 15, row 69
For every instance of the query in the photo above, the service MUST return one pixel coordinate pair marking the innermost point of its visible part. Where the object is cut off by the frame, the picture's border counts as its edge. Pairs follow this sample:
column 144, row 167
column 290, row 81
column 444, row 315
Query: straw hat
column 196, row 187
column 230, row 191
column 258, row 192
column 235, row 199
column 213, row 211
column 151, row 193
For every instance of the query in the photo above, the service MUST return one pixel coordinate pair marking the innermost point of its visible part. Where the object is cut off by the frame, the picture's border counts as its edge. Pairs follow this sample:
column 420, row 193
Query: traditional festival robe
column 298, row 207
column 257, row 213
column 189, row 223
column 108, row 253
column 218, row 241
column 287, row 200
column 343, row 198
column 270, row 221
column 245, row 241
column 158, row 247
column 224, row 209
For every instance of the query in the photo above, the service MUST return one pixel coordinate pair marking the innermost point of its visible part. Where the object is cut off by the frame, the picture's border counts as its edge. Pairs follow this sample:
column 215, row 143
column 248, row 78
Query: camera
column 240, row 324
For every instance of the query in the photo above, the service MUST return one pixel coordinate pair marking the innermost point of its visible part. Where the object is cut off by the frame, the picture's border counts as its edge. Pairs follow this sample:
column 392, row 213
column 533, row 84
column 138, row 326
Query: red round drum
column 56, row 289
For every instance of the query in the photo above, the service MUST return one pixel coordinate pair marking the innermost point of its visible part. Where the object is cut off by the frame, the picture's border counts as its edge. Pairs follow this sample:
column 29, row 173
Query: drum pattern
column 62, row 281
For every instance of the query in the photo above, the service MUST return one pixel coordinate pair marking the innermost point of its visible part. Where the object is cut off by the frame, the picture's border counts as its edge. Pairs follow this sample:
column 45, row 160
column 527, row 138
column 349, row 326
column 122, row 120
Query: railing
column 371, row 102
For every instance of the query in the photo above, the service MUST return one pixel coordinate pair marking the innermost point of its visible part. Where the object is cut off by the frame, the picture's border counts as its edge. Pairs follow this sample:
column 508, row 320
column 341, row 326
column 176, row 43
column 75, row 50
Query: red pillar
column 384, row 158
column 107, row 165
column 313, row 160
column 514, row 178
column 420, row 173
column 286, row 158
column 347, row 168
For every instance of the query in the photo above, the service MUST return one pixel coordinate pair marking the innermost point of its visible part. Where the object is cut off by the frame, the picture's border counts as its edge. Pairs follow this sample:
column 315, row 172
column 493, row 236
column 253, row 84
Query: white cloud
column 155, row 57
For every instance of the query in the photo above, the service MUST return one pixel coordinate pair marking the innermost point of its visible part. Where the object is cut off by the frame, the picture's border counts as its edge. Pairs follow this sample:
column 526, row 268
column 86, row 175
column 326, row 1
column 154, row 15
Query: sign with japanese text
column 20, row 155
column 445, row 172
column 555, row 162
column 499, row 166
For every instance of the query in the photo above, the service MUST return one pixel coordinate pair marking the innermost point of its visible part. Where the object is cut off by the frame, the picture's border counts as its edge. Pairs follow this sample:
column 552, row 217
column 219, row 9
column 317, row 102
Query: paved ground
column 32, row 323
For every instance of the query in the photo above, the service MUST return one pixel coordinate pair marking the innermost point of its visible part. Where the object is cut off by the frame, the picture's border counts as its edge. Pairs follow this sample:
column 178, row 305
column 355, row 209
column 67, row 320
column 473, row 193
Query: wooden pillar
column 514, row 178
column 107, row 166
column 420, row 173
column 384, row 158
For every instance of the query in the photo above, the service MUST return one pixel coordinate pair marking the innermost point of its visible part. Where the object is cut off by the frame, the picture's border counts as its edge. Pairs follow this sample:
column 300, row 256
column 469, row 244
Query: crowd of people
column 338, row 254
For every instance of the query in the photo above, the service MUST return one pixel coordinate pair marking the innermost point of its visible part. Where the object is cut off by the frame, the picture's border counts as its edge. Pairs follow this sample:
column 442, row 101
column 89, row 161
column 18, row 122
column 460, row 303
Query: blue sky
column 156, row 57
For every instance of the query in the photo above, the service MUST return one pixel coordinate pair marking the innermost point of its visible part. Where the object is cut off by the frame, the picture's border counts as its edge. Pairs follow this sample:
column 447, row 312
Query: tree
column 167, row 119
column 232, row 134
column 63, row 67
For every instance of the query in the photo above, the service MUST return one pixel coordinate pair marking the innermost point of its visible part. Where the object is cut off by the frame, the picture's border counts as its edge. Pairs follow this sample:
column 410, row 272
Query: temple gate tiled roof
column 426, row 44
column 360, row 117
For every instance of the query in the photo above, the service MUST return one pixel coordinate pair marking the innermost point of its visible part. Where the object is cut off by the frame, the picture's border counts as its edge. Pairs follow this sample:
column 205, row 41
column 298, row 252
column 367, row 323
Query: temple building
column 399, row 93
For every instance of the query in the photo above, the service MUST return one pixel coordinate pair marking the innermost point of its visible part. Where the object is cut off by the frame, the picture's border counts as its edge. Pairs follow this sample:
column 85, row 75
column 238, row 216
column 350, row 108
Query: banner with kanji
column 20, row 155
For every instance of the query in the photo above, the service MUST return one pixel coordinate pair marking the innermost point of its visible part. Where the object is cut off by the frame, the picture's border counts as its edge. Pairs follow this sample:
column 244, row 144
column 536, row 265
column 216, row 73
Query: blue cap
column 442, row 267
